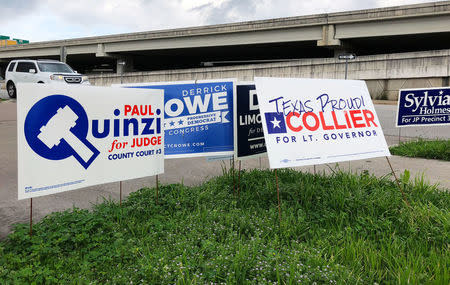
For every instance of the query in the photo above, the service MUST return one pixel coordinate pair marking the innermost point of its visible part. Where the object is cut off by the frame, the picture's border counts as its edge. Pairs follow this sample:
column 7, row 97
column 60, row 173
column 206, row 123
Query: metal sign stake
column 398, row 183
column 157, row 189
column 278, row 196
column 347, row 57
column 239, row 178
column 346, row 68
column 31, row 216
column 120, row 194
column 234, row 183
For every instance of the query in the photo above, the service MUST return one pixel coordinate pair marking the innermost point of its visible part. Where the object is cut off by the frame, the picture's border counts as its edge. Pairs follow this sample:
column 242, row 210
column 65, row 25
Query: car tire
column 11, row 88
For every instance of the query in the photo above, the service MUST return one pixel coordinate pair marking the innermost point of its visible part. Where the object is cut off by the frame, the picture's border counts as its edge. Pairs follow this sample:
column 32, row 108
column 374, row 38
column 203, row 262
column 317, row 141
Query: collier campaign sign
column 198, row 117
column 74, row 137
column 423, row 107
column 313, row 121
column 249, row 130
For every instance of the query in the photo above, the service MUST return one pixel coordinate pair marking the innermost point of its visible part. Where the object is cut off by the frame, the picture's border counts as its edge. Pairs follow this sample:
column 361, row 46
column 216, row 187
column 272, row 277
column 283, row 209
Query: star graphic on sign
column 276, row 123
column 172, row 123
column 180, row 122
column 441, row 92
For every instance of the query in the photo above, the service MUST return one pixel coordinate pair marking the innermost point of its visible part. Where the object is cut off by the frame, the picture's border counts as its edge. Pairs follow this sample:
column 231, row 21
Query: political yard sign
column 79, row 136
column 198, row 117
column 314, row 121
column 423, row 107
column 249, row 136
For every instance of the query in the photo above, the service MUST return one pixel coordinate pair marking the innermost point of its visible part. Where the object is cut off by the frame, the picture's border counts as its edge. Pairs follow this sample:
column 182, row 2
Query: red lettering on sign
column 127, row 109
column 336, row 123
column 369, row 116
column 139, row 110
column 355, row 118
column 140, row 142
column 324, row 124
column 288, row 122
column 316, row 119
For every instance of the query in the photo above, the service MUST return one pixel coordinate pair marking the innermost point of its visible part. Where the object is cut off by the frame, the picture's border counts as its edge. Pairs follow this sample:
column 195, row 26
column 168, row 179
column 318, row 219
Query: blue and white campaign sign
column 423, row 107
column 314, row 121
column 198, row 117
column 71, row 137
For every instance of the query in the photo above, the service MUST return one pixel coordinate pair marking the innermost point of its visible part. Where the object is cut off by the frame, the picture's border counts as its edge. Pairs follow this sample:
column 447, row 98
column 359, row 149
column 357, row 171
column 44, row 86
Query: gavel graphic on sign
column 59, row 128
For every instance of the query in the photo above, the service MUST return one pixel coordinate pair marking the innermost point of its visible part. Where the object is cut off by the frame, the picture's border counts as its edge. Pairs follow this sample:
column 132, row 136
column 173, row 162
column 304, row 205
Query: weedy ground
column 434, row 149
column 335, row 229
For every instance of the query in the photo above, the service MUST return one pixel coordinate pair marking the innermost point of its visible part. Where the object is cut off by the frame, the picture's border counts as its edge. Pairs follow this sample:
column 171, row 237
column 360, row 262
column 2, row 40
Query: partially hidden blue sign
column 198, row 117
column 423, row 107
column 249, row 129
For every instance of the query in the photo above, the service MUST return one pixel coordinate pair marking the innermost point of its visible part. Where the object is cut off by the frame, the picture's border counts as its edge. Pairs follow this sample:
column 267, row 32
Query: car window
column 25, row 66
column 11, row 66
column 54, row 67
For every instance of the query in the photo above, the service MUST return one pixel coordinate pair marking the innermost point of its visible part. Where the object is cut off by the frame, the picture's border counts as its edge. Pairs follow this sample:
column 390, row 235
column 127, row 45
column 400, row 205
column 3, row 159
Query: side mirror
column 75, row 71
column 32, row 70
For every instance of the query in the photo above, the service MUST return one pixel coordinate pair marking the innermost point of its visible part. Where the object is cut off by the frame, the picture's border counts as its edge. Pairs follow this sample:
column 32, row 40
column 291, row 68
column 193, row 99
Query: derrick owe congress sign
column 313, row 121
column 422, row 107
column 73, row 137
column 198, row 117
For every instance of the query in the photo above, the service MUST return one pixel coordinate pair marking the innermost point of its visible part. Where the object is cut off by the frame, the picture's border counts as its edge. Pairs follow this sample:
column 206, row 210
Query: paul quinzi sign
column 58, row 129
column 312, row 121
column 139, row 121
column 83, row 136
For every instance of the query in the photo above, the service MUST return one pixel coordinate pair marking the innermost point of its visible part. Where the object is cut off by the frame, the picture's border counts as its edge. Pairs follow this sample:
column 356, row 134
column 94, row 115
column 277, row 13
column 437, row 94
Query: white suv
column 40, row 71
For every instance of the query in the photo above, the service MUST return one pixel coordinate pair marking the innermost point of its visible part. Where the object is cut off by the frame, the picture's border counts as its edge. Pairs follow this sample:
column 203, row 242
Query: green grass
column 436, row 149
column 338, row 229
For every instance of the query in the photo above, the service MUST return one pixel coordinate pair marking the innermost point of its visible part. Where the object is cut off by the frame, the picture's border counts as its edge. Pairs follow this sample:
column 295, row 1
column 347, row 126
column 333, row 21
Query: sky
column 45, row 20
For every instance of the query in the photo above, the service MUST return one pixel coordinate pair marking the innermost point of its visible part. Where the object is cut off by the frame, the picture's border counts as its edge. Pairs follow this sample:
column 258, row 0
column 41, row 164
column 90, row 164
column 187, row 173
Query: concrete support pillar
column 101, row 51
column 63, row 54
column 329, row 41
column 123, row 63
column 328, row 37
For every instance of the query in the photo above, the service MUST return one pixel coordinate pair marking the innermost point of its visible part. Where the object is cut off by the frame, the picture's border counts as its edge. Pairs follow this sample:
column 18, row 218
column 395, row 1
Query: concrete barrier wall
column 385, row 74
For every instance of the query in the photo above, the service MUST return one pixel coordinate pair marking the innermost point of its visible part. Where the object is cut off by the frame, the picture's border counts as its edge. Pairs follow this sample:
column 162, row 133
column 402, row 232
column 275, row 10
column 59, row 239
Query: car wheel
column 11, row 90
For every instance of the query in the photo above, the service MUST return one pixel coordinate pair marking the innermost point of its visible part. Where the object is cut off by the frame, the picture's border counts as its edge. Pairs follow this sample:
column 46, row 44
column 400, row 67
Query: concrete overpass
column 384, row 74
column 367, row 32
